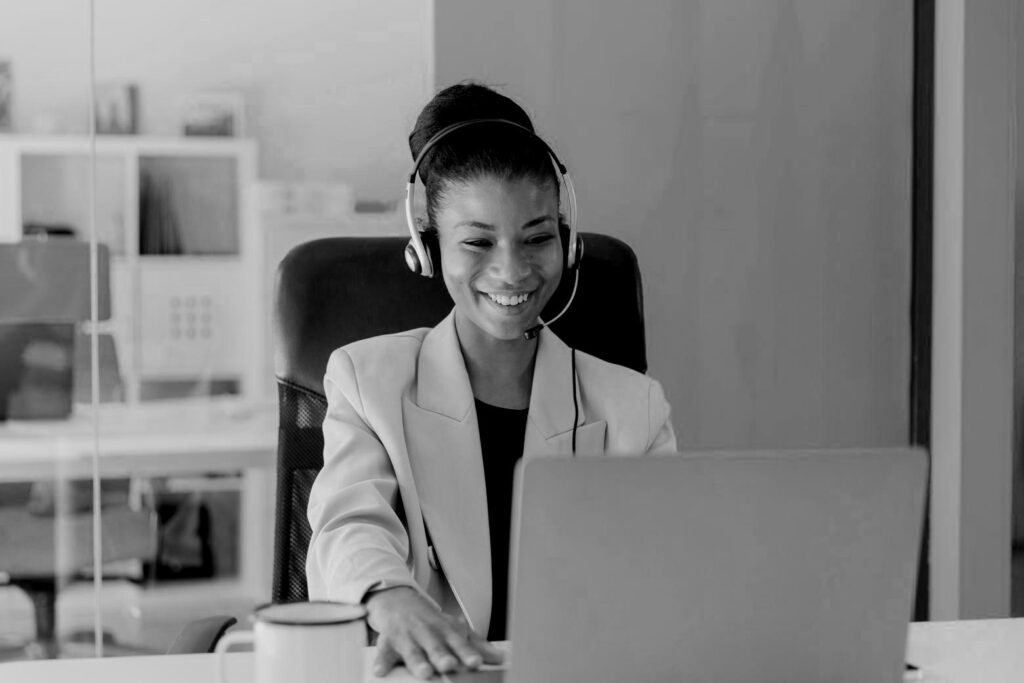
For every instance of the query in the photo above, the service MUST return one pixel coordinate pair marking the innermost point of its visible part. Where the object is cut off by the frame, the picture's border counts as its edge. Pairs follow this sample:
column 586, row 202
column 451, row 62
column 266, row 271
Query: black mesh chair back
column 338, row 290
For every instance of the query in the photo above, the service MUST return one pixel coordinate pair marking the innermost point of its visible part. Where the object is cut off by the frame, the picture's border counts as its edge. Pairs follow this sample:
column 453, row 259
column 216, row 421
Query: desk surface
column 162, row 437
column 989, row 651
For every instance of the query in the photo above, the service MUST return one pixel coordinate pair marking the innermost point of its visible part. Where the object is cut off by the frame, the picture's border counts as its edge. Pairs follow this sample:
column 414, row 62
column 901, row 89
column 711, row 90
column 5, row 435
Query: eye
column 477, row 243
column 543, row 238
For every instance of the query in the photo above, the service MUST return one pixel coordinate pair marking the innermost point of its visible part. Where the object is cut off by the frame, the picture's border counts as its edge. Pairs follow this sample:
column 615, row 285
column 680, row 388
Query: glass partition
column 226, row 134
column 52, row 284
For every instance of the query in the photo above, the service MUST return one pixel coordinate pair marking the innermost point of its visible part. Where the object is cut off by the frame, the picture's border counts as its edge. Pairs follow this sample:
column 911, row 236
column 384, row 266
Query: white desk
column 980, row 651
column 948, row 652
column 163, row 438
column 157, row 438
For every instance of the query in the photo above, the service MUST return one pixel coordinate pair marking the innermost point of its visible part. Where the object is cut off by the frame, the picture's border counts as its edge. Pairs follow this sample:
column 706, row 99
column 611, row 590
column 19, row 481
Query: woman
column 410, row 513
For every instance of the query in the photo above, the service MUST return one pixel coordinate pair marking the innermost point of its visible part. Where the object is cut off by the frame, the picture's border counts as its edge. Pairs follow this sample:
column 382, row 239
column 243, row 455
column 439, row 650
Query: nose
column 509, row 263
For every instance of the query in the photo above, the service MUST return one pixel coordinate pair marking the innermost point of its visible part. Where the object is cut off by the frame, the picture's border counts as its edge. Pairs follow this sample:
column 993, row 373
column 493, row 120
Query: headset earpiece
column 564, row 235
column 427, row 259
column 432, row 245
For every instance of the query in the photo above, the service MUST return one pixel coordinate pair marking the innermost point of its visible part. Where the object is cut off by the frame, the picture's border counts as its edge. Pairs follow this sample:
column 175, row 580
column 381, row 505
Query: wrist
column 378, row 596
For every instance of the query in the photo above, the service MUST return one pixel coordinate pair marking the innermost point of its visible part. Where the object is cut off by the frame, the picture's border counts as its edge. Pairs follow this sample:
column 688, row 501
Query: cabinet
column 179, row 218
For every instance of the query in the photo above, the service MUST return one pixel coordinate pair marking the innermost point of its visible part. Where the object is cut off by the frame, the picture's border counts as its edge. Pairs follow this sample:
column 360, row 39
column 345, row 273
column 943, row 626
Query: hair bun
column 463, row 102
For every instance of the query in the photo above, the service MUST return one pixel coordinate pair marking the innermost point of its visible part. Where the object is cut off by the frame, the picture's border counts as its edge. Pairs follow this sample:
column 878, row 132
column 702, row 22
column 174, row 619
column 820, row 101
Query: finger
column 464, row 650
column 386, row 658
column 490, row 653
column 437, row 651
column 415, row 659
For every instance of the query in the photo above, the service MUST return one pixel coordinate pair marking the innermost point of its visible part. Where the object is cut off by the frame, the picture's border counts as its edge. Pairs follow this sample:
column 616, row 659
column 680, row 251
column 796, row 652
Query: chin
column 506, row 333
column 502, row 330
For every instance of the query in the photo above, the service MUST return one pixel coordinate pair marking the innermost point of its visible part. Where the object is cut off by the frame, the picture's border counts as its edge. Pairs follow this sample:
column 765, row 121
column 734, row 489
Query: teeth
column 508, row 300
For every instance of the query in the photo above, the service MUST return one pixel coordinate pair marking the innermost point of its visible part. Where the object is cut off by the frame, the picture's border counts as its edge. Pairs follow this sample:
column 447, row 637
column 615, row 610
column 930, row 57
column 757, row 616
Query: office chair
column 334, row 291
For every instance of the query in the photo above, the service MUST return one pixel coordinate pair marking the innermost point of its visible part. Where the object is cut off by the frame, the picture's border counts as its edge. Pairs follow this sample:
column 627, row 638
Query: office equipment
column 47, row 280
column 334, row 291
column 983, row 651
column 46, row 289
column 179, row 217
column 765, row 566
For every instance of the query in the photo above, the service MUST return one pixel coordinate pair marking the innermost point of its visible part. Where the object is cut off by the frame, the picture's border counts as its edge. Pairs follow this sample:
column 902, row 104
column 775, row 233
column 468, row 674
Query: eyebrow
column 487, row 226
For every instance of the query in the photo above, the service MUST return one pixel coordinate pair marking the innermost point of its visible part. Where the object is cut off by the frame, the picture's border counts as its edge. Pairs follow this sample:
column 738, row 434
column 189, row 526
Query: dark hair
column 494, row 149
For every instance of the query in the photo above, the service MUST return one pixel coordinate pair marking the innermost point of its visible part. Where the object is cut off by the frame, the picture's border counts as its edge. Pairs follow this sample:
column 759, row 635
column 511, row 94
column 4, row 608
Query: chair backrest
column 338, row 290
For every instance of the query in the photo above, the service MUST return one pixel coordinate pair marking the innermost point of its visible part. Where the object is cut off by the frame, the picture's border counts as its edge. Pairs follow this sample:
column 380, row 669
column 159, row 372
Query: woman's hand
column 415, row 632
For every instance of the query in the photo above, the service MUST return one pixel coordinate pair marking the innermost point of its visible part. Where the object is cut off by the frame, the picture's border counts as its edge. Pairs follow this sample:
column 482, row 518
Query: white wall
column 756, row 155
column 332, row 85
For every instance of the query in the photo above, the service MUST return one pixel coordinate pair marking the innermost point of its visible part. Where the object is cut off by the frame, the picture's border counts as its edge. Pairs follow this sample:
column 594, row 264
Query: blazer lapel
column 443, row 440
column 551, row 414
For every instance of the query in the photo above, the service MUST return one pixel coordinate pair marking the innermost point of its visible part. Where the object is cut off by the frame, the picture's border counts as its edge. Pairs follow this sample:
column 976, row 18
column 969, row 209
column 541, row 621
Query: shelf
column 179, row 218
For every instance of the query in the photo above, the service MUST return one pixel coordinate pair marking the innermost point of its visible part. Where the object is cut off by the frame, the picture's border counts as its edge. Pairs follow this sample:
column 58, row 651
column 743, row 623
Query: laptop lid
column 759, row 566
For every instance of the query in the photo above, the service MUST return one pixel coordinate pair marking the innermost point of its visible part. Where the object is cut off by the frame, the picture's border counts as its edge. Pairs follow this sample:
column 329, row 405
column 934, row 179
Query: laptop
column 784, row 566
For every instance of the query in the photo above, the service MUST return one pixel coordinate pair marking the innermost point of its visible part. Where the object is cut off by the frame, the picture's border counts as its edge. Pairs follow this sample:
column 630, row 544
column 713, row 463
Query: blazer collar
column 443, row 383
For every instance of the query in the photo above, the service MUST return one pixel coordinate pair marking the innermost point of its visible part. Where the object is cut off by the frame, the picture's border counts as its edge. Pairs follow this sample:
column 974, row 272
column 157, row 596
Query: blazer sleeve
column 358, row 542
column 661, row 436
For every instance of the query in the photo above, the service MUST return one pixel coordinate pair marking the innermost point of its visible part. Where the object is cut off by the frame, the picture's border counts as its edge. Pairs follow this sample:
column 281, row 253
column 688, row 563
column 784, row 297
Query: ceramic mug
column 303, row 642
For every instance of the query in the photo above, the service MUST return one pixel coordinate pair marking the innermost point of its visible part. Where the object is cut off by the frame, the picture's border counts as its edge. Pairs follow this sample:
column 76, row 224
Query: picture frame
column 117, row 109
column 213, row 114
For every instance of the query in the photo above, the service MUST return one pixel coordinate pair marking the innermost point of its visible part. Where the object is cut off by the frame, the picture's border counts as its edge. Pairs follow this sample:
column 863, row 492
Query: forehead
column 489, row 195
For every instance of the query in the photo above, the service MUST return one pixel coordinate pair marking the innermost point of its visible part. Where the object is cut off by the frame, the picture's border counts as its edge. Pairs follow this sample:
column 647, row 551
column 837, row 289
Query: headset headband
column 418, row 259
column 470, row 122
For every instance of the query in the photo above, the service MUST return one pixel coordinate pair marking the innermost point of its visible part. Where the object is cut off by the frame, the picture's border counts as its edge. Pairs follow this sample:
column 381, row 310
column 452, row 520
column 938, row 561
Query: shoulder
column 384, row 356
column 597, row 372
column 385, row 346
column 633, row 404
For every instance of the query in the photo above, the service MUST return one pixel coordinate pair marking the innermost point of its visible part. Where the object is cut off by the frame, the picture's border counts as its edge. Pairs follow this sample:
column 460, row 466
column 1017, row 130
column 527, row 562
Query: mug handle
column 226, row 641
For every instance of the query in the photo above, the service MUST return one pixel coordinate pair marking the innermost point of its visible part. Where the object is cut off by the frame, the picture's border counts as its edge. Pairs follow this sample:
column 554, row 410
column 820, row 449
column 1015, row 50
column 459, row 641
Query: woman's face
column 500, row 253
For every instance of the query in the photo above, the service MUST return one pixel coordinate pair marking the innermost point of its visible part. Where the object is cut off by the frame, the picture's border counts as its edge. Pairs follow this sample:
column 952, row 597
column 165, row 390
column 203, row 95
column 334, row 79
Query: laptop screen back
column 764, row 566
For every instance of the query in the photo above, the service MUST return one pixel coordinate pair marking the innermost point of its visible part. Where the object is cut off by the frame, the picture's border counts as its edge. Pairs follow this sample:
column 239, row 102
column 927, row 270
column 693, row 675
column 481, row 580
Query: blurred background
column 757, row 155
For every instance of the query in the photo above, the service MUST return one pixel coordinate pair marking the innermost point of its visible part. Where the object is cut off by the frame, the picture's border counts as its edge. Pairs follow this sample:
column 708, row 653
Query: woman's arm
column 358, row 541
column 662, row 438
column 359, row 549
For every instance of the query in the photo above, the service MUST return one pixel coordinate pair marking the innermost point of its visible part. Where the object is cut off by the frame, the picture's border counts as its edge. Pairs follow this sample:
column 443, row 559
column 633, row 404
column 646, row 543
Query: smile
column 509, row 300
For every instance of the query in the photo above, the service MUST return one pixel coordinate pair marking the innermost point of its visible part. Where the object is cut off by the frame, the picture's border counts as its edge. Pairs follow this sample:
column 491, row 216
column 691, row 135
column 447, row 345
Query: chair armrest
column 201, row 635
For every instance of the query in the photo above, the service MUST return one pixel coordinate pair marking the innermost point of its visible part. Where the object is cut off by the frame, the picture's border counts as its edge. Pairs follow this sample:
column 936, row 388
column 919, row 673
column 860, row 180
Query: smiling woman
column 411, row 512
column 500, row 257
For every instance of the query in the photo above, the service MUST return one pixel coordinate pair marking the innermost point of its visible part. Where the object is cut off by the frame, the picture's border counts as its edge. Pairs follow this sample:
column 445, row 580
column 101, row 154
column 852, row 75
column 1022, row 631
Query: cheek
column 553, row 266
column 457, row 272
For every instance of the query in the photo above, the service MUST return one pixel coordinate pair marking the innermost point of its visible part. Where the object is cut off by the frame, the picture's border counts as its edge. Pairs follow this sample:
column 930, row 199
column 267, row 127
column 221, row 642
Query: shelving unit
column 179, row 216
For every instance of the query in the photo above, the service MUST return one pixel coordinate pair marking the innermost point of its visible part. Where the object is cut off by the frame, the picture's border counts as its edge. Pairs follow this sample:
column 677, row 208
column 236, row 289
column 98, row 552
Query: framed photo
column 117, row 109
column 217, row 114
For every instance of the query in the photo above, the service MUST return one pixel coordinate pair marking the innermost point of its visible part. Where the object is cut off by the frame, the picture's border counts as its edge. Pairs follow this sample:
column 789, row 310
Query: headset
column 423, row 254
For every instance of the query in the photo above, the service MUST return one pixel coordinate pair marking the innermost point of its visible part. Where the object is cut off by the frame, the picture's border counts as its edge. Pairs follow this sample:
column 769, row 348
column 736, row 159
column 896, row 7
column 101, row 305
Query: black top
column 502, row 432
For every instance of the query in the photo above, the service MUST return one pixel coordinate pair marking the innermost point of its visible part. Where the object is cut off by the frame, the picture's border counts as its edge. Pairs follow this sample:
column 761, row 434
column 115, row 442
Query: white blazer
column 402, row 454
